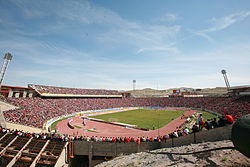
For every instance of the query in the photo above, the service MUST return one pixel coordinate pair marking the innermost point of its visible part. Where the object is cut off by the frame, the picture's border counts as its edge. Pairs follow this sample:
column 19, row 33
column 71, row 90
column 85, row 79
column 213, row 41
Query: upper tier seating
column 60, row 90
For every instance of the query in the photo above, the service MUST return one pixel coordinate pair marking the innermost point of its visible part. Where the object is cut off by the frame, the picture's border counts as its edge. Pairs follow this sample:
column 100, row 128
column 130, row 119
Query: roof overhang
column 77, row 96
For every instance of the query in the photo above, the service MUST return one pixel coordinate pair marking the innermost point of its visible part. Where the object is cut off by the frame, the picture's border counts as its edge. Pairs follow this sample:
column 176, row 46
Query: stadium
column 57, row 126
column 124, row 83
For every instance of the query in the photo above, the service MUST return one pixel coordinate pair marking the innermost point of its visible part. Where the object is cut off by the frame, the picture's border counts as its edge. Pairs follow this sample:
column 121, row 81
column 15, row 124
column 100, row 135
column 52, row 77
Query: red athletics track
column 108, row 130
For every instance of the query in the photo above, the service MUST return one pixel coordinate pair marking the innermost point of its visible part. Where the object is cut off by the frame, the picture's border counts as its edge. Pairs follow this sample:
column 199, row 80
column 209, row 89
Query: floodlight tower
column 7, row 59
column 134, row 81
column 224, row 73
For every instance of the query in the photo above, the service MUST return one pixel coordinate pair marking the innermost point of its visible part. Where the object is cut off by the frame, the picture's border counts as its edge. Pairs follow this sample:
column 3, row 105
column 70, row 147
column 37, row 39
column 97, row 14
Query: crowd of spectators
column 35, row 111
column 45, row 136
column 74, row 91
column 180, row 131
column 65, row 138
column 201, row 124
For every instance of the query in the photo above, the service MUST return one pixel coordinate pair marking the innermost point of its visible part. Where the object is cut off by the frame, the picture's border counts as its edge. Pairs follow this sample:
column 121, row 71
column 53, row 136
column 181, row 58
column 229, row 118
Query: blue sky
column 109, row 43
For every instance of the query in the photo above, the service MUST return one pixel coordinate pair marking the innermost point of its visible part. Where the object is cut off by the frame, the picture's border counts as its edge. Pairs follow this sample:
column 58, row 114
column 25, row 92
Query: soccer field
column 143, row 118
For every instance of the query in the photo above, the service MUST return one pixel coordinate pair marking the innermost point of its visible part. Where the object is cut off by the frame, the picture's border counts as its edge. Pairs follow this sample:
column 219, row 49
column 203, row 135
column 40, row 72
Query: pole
column 158, row 123
column 134, row 81
column 7, row 59
column 158, row 129
column 224, row 73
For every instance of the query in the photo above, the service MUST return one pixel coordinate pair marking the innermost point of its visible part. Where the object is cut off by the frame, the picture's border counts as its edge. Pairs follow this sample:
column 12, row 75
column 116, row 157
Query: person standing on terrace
column 200, row 121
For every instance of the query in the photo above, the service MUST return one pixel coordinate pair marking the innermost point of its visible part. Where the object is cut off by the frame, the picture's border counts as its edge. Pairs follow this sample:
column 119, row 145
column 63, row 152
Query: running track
column 108, row 130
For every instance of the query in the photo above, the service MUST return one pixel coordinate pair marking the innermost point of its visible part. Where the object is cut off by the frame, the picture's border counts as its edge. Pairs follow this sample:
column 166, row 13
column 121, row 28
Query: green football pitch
column 143, row 118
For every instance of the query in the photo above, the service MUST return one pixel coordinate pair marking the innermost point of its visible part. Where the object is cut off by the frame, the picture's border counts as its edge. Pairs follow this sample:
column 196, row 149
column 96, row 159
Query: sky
column 106, row 44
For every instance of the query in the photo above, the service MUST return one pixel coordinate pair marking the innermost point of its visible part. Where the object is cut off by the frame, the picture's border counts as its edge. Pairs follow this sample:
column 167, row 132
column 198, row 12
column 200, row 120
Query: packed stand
column 200, row 125
column 74, row 91
column 35, row 111
column 64, row 138
column 45, row 136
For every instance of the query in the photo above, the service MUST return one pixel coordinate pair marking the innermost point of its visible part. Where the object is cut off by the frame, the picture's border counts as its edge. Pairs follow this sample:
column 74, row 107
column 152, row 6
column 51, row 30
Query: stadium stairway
column 27, row 151
column 24, row 151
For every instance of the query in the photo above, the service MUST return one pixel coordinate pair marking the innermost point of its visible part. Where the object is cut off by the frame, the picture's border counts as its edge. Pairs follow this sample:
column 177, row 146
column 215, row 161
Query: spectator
column 222, row 121
column 195, row 128
column 229, row 118
column 175, row 134
column 200, row 121
column 208, row 125
column 186, row 130
column 214, row 123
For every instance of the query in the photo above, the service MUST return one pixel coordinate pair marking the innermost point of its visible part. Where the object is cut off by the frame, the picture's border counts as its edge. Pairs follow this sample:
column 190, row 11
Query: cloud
column 168, row 17
column 219, row 24
column 198, row 70
column 237, row 79
column 157, row 49
column 143, row 38
column 203, row 35
column 83, row 12
column 236, row 53
column 226, row 21
column 31, row 9
column 54, row 17
column 42, row 53
column 57, row 51
column 68, row 16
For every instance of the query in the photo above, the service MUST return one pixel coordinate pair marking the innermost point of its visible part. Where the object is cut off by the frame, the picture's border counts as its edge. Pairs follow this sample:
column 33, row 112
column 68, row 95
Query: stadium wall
column 24, row 128
column 217, row 134
column 62, row 160
column 106, row 149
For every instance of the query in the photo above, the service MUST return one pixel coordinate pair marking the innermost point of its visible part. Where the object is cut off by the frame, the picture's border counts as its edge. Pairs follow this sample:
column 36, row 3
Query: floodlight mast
column 7, row 59
column 224, row 73
column 134, row 81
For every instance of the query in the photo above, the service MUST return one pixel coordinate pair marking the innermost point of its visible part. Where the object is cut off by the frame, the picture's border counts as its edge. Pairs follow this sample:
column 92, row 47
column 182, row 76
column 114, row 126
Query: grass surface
column 78, row 127
column 207, row 115
column 53, row 126
column 143, row 118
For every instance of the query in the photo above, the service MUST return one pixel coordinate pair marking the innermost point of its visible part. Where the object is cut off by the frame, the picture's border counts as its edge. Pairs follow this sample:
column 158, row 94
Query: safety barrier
column 115, row 149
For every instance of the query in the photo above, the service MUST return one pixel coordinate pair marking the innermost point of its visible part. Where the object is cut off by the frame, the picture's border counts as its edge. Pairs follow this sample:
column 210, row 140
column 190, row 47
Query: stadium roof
column 240, row 87
column 15, row 87
column 75, row 95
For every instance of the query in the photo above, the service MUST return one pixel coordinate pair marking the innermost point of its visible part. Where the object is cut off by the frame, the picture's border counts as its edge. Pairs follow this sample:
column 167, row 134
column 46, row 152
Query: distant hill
column 148, row 92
